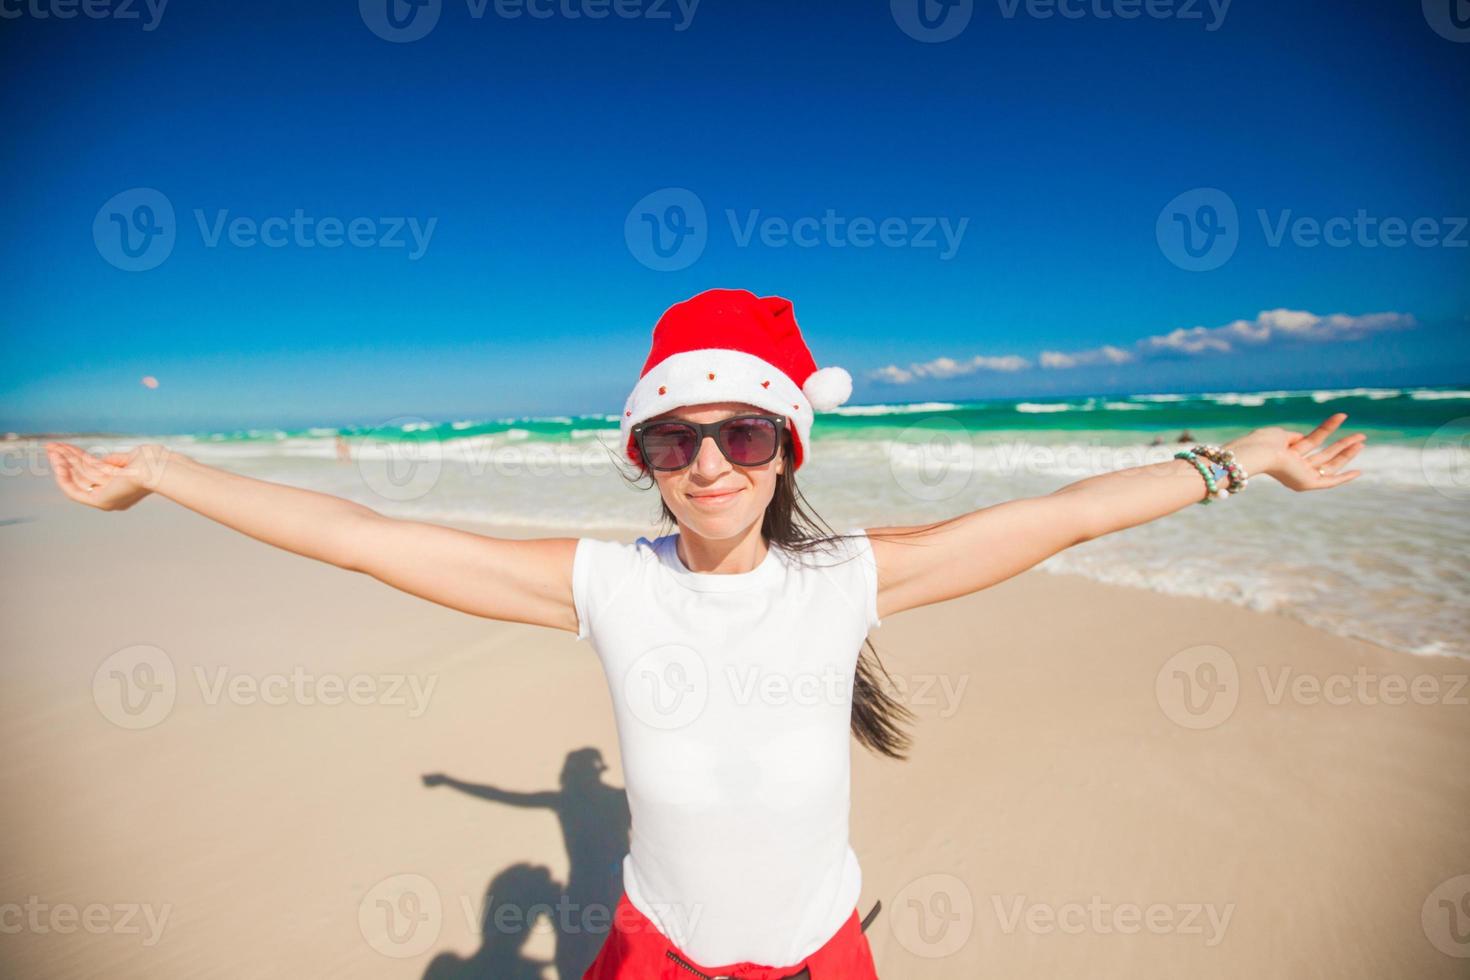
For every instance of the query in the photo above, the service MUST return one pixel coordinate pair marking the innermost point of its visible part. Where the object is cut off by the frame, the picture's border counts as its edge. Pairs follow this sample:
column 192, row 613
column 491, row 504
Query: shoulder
column 601, row 570
column 844, row 545
column 846, row 559
column 596, row 552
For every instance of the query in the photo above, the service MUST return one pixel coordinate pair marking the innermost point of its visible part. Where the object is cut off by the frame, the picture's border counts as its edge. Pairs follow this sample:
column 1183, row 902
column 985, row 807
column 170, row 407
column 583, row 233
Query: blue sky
column 1051, row 147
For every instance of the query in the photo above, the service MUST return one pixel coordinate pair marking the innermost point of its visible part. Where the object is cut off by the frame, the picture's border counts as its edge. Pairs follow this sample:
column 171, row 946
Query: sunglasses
column 746, row 440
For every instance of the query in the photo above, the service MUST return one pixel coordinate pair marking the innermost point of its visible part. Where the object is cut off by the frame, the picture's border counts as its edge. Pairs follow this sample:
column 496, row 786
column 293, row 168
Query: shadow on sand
column 594, row 824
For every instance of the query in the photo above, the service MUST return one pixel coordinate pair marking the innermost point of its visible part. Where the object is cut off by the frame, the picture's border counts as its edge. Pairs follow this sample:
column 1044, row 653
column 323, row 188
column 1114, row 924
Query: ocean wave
column 1036, row 407
column 899, row 409
column 1373, row 393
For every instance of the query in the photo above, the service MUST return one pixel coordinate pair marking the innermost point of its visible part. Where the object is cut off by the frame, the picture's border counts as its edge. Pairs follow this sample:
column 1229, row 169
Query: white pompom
column 827, row 388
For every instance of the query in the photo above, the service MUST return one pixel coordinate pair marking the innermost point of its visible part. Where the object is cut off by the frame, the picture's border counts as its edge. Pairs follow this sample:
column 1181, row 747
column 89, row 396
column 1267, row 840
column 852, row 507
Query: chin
column 718, row 525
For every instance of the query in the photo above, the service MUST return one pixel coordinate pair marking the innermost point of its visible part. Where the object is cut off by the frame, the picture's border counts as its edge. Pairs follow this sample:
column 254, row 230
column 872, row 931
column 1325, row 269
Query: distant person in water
column 344, row 454
column 1185, row 437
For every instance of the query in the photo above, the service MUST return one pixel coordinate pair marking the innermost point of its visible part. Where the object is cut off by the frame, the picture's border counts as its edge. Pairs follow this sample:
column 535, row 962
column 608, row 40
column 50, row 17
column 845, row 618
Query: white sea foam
column 1425, row 396
column 890, row 409
column 1374, row 393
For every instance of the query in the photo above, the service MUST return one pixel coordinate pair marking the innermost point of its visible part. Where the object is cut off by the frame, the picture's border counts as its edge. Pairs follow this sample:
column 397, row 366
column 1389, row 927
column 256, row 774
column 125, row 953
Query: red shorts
column 635, row 950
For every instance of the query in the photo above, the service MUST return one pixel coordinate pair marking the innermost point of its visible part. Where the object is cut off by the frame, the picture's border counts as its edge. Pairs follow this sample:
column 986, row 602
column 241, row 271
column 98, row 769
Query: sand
column 1065, row 813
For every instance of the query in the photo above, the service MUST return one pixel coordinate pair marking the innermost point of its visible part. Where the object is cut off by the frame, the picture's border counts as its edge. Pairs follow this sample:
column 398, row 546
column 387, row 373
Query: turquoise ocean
column 1384, row 558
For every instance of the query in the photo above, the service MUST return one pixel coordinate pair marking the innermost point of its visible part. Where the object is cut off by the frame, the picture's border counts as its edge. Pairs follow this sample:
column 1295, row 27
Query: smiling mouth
column 716, row 496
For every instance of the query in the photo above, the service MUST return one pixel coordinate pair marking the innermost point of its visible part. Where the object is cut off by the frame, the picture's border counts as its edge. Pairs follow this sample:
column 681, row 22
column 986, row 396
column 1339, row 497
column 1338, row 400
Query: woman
column 732, row 648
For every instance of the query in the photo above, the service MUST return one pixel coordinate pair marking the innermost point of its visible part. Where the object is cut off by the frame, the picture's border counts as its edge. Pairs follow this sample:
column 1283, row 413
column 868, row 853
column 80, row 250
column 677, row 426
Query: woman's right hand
column 116, row 481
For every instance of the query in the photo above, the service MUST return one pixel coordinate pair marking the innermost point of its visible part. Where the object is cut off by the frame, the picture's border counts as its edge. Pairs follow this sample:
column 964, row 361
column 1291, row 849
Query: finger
column 68, row 483
column 1341, row 478
column 1321, row 432
column 92, row 467
column 1327, row 468
column 87, row 468
column 1334, row 453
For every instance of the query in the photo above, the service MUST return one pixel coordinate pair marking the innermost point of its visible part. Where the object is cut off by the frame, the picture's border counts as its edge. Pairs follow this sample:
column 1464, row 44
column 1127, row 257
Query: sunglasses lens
column 669, row 446
column 748, row 442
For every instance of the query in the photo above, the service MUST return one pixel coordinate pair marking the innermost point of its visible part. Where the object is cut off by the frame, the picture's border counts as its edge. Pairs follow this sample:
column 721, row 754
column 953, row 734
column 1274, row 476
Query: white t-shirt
column 732, row 695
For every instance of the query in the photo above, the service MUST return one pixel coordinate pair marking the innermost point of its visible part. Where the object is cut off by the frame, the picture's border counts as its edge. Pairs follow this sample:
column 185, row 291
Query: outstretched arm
column 929, row 563
column 525, row 581
column 543, row 798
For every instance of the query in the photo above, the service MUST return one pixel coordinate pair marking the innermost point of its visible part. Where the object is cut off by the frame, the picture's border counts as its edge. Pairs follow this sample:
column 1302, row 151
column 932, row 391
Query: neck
column 722, row 556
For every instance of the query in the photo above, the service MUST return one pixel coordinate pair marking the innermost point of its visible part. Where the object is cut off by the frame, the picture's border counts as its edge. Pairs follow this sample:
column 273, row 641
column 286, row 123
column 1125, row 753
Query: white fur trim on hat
column 738, row 377
column 827, row 388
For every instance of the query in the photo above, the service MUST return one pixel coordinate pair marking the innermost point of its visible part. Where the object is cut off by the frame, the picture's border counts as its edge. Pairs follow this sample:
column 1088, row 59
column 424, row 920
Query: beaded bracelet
column 1226, row 459
column 1212, row 490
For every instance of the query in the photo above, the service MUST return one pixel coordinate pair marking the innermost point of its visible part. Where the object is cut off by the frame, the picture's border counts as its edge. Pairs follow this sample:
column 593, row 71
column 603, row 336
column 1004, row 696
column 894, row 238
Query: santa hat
column 729, row 345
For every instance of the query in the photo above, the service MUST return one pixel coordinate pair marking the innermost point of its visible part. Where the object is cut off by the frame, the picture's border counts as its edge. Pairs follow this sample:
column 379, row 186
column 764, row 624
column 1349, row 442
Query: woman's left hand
column 1285, row 455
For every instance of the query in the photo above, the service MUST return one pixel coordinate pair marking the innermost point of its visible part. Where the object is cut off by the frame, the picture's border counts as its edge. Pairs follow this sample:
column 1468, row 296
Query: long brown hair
column 791, row 523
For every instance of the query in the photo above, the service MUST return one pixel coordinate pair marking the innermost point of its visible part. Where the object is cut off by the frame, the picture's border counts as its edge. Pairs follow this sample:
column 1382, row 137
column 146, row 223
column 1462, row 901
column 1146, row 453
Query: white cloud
column 1106, row 354
column 1268, row 326
column 1282, row 324
column 948, row 367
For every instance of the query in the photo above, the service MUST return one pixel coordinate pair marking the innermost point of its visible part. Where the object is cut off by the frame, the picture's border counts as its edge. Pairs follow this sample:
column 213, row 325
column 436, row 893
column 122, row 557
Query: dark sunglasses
column 746, row 440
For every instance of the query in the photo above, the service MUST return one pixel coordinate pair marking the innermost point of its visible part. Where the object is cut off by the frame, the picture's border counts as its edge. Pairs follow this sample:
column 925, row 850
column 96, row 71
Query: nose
column 710, row 462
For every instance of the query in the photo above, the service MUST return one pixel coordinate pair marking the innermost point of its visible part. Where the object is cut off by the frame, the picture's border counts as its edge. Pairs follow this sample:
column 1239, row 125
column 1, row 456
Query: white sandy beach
column 1065, row 812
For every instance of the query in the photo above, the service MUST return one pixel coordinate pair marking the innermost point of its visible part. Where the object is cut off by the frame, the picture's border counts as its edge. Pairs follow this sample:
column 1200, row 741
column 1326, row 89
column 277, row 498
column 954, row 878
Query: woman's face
column 712, row 496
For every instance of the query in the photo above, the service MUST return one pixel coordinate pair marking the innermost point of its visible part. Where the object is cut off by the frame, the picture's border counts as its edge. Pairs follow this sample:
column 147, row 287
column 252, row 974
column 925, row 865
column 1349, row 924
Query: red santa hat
column 729, row 345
